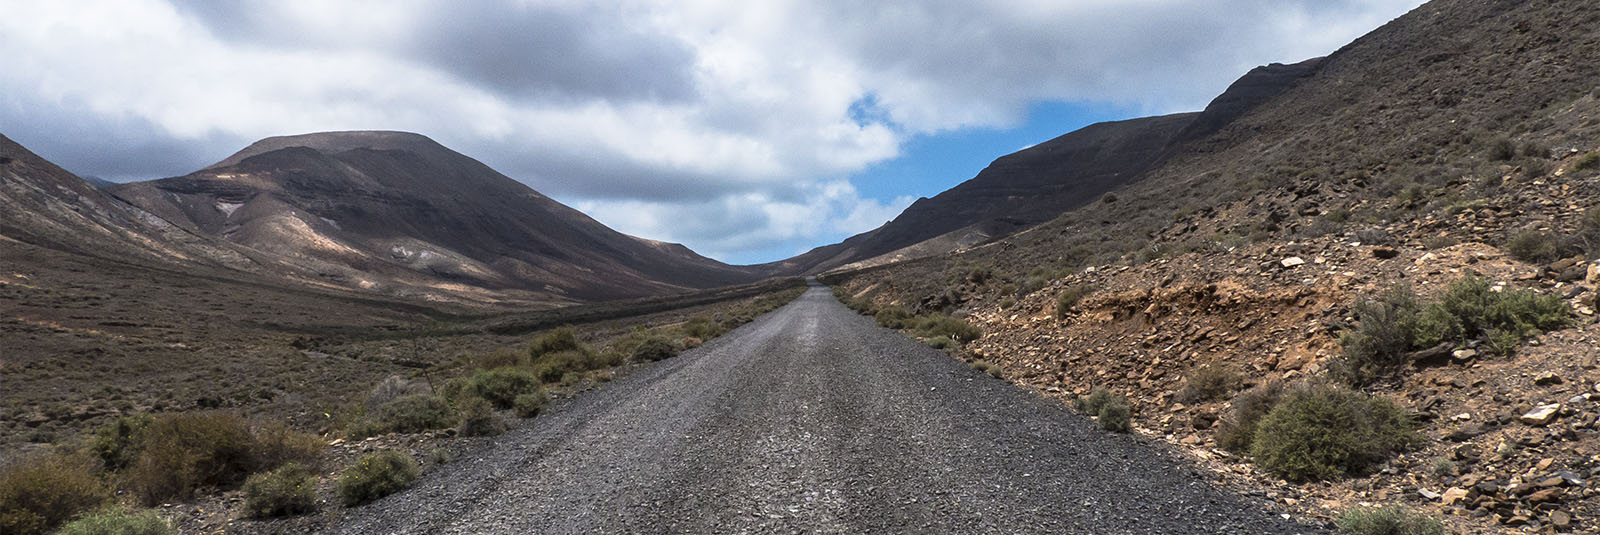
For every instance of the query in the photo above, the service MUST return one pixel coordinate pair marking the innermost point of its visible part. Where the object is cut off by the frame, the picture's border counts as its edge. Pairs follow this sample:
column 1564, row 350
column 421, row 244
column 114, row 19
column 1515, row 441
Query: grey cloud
column 564, row 51
column 118, row 148
column 555, row 51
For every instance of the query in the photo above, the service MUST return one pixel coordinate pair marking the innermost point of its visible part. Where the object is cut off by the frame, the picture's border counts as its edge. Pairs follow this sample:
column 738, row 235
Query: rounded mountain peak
column 336, row 142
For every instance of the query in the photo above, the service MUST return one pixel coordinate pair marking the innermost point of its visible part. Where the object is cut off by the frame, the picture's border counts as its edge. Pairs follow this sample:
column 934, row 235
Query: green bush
column 557, row 339
column 552, row 367
column 942, row 326
column 892, row 317
column 1500, row 149
column 1391, row 520
column 703, row 328
column 1208, row 383
column 1587, row 162
column 117, row 521
column 501, row 386
column 1115, row 415
column 529, row 405
column 181, row 452
column 1323, row 432
column 1068, row 299
column 1471, row 310
column 478, row 418
column 1533, row 246
column 40, row 493
column 1092, row 403
column 376, row 475
column 1238, row 429
column 653, row 349
column 415, row 413
column 114, row 442
column 287, row 491
column 1468, row 310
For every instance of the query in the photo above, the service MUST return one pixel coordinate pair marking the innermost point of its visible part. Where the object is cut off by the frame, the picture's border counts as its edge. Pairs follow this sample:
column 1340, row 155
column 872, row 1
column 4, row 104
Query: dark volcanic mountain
column 381, row 209
column 1036, row 184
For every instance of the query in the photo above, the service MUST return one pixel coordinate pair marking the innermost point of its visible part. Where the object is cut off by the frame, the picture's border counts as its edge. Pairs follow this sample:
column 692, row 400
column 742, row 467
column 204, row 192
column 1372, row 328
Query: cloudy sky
column 748, row 130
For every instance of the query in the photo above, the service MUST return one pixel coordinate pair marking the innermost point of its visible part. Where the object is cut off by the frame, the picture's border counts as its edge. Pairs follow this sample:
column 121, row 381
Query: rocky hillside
column 394, row 211
column 1459, row 140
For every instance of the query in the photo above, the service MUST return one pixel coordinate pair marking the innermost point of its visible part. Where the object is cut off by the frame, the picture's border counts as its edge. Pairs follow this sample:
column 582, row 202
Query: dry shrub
column 39, row 494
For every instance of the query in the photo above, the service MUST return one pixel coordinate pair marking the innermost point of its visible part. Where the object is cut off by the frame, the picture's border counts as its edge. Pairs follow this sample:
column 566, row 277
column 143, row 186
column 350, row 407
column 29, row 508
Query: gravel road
column 813, row 420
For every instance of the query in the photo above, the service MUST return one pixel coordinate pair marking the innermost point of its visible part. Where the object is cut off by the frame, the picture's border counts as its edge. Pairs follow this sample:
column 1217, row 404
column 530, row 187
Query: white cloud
column 730, row 126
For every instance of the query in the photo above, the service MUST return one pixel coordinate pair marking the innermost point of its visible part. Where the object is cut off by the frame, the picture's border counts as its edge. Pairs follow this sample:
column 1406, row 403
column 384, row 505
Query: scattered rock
column 1542, row 415
column 1385, row 253
column 1547, row 379
column 1453, row 495
column 1560, row 520
column 1292, row 262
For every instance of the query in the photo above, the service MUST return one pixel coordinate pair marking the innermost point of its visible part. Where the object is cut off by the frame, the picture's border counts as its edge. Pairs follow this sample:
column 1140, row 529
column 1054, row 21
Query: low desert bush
column 478, row 418
column 654, row 348
column 1208, row 383
column 376, row 475
column 289, row 490
column 529, row 405
column 892, row 317
column 1391, row 520
column 1110, row 410
column 501, row 386
column 118, row 521
column 703, row 328
column 1587, row 162
column 1533, row 246
column 182, row 452
column 416, row 413
column 1068, row 299
column 1469, row 310
column 557, row 339
column 1319, row 432
column 942, row 326
column 114, row 442
column 1238, row 428
column 40, row 493
column 1091, row 404
column 1115, row 415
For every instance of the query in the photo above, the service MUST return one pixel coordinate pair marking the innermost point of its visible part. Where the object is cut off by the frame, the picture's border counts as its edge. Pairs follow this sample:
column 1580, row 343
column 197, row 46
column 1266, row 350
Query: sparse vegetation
column 478, row 418
column 1110, row 410
column 41, row 493
column 529, row 405
column 1238, row 429
column 182, row 452
column 1319, row 432
column 654, row 348
column 118, row 521
column 114, row 442
column 501, row 386
column 376, row 475
column 1533, row 246
column 286, row 491
column 1469, row 310
column 410, row 414
column 1390, row 520
column 1208, row 383
column 555, row 340
column 1587, row 162
column 1068, row 299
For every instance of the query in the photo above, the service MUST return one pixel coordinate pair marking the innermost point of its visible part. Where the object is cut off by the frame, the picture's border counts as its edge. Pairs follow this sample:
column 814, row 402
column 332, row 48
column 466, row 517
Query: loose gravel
column 814, row 420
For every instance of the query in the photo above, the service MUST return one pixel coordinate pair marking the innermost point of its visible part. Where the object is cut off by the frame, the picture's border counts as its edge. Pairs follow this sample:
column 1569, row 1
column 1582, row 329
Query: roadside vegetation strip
column 151, row 459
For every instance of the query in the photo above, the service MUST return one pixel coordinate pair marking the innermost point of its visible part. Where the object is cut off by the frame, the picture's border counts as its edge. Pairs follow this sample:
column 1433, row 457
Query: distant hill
column 1034, row 185
column 379, row 209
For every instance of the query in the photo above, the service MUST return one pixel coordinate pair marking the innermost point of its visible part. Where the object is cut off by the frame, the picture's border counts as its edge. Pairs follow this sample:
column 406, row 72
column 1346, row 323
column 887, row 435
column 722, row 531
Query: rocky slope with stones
column 1460, row 138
